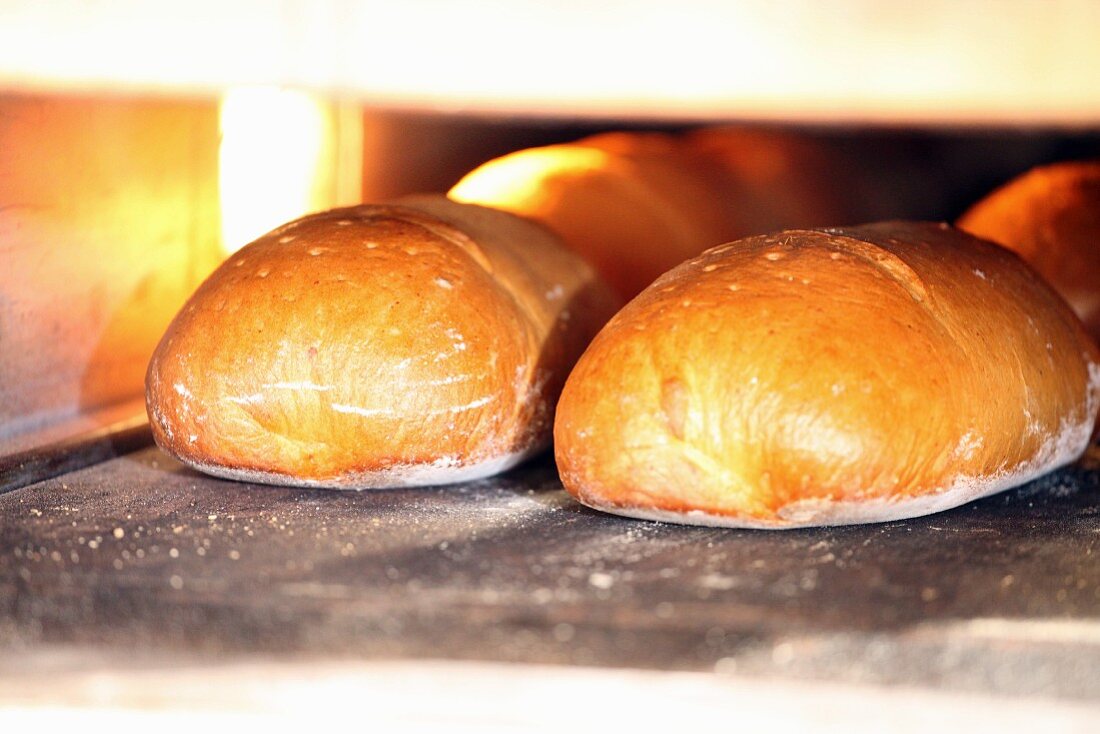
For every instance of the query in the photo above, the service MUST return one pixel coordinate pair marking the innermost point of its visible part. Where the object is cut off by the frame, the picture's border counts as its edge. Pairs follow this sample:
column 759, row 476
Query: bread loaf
column 419, row 342
column 634, row 205
column 821, row 377
column 1051, row 217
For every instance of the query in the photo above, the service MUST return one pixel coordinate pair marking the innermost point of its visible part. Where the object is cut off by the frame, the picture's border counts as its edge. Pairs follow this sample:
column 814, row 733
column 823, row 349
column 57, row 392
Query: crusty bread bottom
column 1063, row 448
column 440, row 472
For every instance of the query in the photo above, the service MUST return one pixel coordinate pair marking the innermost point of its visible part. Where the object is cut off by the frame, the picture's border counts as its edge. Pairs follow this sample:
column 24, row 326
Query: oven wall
column 108, row 220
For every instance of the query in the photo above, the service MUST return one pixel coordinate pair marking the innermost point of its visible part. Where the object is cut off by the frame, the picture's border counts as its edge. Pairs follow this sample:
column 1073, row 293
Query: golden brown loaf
column 421, row 342
column 1051, row 217
column 828, row 377
column 634, row 205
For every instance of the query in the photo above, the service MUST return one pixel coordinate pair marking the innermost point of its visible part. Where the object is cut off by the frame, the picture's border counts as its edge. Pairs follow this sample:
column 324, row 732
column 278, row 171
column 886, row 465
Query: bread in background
column 1051, row 217
column 633, row 205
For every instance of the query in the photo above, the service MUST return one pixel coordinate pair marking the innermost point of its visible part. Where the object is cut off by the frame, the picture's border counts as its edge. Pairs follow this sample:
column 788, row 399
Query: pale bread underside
column 1064, row 447
column 440, row 472
column 818, row 512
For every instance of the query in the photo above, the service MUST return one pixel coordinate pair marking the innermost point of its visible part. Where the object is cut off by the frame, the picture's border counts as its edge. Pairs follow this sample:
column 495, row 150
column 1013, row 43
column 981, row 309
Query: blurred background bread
column 637, row 204
column 1051, row 217
column 634, row 205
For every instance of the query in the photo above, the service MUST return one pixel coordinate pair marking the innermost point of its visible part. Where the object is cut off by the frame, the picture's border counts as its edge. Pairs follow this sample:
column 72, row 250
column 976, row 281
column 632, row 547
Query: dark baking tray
column 138, row 556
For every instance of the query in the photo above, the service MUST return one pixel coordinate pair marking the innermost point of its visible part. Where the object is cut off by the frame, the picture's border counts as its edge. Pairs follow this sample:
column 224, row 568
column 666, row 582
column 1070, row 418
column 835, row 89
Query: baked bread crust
column 419, row 342
column 817, row 377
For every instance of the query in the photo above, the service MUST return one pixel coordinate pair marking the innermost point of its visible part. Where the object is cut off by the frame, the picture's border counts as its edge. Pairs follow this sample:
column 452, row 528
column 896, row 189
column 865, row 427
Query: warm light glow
column 517, row 179
column 272, row 161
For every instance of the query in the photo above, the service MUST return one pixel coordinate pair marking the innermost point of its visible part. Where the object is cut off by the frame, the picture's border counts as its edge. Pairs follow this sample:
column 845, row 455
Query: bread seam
column 443, row 471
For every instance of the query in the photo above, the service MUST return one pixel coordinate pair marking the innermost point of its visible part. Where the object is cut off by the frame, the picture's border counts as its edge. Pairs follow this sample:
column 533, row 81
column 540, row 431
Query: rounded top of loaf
column 878, row 362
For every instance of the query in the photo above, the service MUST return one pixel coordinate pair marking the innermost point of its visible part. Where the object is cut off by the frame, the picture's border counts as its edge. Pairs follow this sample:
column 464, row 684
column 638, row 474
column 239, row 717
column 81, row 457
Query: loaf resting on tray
column 423, row 342
column 816, row 377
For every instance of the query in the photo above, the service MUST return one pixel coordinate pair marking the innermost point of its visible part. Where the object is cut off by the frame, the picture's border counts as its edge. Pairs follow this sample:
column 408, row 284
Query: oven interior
column 119, row 565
